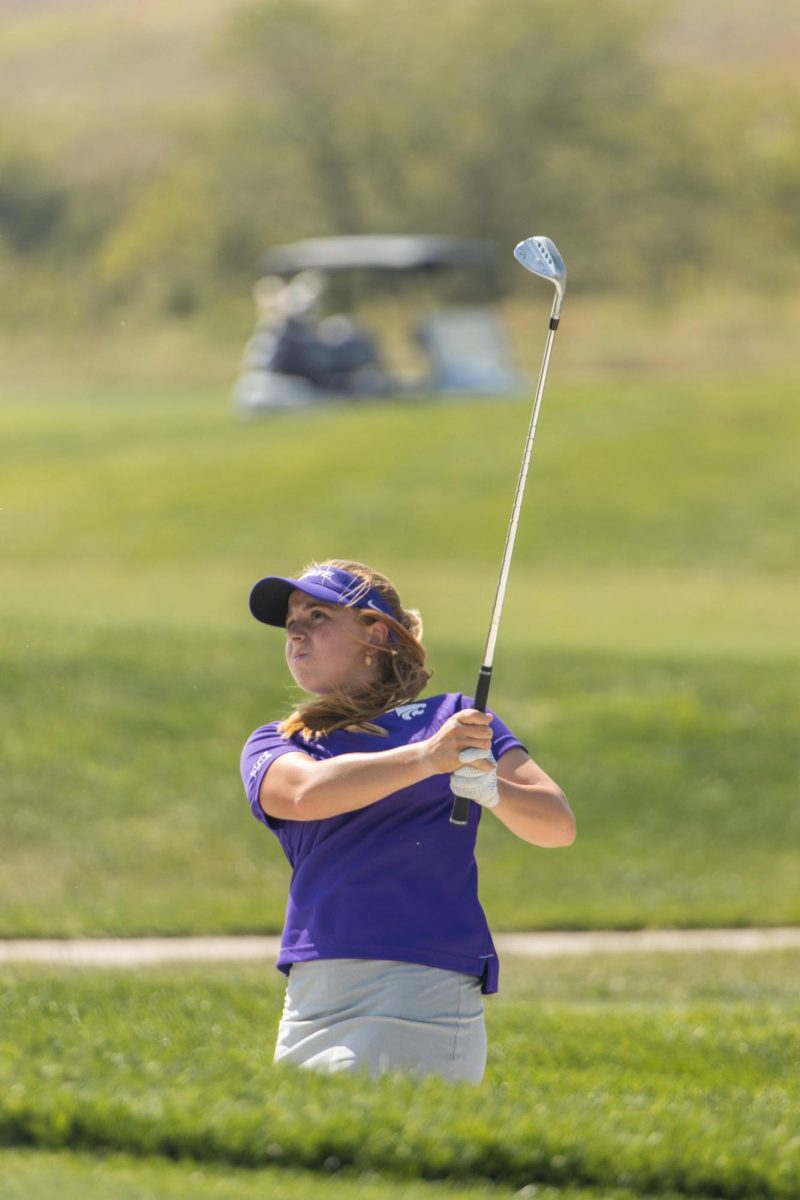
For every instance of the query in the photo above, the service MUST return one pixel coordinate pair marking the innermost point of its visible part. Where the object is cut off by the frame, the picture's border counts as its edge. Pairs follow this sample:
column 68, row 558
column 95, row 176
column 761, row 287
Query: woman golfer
column 385, row 944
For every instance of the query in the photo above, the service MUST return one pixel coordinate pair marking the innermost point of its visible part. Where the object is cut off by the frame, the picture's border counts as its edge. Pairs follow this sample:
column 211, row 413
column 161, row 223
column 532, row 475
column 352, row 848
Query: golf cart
column 309, row 347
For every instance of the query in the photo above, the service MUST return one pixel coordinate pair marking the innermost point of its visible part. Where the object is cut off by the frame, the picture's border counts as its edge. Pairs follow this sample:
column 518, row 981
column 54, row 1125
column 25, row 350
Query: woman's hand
column 474, row 781
column 465, row 730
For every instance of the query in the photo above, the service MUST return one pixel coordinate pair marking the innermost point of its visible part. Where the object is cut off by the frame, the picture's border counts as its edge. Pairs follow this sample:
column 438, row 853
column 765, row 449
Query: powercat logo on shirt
column 408, row 711
column 258, row 764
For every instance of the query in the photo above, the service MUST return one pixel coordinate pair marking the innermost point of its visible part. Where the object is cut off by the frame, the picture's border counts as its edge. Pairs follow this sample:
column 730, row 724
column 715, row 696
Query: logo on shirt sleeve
column 408, row 711
column 258, row 764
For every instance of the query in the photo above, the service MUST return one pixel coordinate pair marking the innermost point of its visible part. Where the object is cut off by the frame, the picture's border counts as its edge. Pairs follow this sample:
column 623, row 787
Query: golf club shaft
column 460, row 810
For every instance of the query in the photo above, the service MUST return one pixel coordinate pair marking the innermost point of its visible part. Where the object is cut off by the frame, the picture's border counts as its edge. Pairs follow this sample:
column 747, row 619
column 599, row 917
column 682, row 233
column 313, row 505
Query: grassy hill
column 111, row 100
column 733, row 39
column 105, row 85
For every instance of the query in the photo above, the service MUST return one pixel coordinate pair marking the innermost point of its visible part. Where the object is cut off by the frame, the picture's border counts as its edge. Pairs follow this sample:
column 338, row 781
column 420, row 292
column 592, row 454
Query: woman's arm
column 297, row 787
column 531, row 804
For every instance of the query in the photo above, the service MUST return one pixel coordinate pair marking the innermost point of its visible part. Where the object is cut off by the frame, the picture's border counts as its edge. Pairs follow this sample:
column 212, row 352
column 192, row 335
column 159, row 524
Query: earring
column 367, row 659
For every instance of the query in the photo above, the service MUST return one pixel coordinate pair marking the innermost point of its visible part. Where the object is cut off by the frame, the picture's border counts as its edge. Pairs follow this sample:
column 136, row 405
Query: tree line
column 486, row 118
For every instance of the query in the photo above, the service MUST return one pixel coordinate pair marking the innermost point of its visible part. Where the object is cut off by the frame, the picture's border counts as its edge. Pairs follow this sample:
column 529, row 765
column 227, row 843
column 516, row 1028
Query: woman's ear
column 377, row 633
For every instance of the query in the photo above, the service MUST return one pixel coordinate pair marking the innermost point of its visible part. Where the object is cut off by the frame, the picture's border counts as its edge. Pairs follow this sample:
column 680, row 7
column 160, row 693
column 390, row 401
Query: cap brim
column 269, row 599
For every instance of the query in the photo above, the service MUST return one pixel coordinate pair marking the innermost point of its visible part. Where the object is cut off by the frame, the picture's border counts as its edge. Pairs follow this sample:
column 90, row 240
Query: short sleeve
column 503, row 739
column 260, row 751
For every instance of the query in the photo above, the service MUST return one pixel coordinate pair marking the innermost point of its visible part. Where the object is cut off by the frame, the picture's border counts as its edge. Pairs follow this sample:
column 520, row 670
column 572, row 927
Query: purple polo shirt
column 394, row 880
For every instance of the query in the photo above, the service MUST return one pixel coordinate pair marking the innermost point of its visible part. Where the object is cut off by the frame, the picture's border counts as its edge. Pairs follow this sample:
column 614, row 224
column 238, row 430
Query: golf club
column 540, row 256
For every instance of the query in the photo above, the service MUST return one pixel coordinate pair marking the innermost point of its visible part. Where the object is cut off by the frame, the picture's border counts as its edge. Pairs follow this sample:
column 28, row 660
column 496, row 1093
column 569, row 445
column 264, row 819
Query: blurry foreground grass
column 32, row 1175
column 657, row 1074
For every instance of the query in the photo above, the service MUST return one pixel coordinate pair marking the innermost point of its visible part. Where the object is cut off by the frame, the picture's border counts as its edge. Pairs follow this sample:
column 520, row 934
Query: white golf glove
column 474, row 784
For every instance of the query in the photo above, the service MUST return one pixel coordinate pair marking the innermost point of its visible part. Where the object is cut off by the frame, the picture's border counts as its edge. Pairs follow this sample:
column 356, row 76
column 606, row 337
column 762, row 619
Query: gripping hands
column 463, row 740
column 475, row 783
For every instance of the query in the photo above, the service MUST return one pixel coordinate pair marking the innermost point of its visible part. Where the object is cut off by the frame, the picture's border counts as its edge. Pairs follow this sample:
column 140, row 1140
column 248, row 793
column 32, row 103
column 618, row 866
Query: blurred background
column 149, row 155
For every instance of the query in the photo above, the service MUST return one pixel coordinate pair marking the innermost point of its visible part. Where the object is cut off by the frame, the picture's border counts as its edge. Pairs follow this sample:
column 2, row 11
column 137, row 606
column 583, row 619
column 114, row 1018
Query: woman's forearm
column 300, row 788
column 538, row 813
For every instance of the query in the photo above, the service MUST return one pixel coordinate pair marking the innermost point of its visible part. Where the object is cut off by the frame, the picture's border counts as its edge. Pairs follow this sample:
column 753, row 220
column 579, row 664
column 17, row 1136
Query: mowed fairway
column 648, row 653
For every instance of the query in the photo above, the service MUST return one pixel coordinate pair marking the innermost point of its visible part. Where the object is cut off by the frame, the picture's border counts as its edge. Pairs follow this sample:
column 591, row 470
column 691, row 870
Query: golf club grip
column 460, row 811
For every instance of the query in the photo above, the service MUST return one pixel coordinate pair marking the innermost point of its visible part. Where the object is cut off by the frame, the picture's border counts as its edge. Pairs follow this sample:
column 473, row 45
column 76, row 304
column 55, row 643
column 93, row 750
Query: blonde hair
column 402, row 676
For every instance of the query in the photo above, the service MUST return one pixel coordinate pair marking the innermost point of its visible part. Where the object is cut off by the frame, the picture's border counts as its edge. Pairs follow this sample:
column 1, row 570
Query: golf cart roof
column 395, row 252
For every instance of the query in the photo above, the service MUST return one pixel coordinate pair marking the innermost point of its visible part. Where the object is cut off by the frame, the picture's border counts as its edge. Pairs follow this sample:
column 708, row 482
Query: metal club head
column 540, row 256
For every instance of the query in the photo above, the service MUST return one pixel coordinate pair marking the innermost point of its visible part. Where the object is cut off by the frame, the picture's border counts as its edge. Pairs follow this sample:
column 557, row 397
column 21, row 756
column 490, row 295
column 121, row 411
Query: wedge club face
column 540, row 256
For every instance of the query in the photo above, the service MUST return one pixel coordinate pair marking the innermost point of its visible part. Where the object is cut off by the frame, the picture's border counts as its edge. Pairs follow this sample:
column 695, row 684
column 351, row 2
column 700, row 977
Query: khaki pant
column 348, row 1014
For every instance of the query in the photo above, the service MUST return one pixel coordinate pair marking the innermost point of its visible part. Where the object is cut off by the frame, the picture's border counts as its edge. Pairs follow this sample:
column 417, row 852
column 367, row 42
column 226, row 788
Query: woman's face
column 325, row 646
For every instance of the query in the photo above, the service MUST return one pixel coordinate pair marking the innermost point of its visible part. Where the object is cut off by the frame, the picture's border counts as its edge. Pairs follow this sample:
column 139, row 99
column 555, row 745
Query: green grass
column 656, row 474
column 123, row 811
column 32, row 1175
column 652, row 665
column 657, row 1074
column 648, row 652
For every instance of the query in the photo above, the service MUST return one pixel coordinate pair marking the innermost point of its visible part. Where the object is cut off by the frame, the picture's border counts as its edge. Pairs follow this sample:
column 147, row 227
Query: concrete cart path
column 137, row 952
